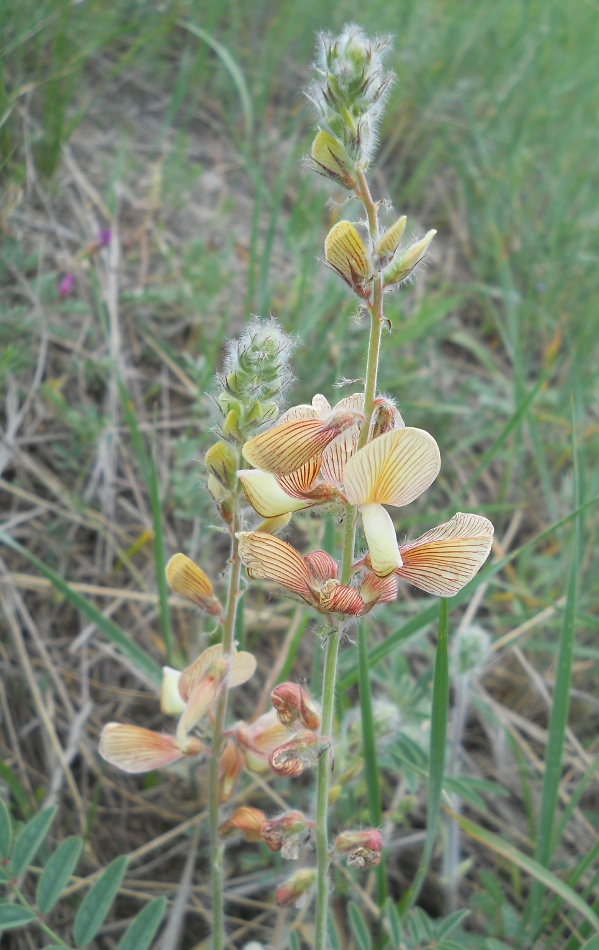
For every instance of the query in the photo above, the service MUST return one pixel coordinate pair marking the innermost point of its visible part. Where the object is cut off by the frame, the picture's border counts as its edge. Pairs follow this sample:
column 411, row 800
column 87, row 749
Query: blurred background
column 154, row 198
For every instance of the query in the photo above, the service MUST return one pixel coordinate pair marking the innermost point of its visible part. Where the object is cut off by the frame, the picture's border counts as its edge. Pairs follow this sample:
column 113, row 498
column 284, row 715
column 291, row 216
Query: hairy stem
column 216, row 845
column 332, row 645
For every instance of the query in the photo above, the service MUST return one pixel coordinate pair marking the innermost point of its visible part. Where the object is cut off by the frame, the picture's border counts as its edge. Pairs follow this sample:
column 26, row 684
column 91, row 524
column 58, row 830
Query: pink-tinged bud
column 301, row 752
column 297, row 885
column 66, row 285
column 283, row 833
column 246, row 821
column 229, row 768
column 292, row 703
column 363, row 848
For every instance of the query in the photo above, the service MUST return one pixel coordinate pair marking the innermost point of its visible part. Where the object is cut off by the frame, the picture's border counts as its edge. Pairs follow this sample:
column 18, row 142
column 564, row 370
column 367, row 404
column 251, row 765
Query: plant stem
column 216, row 845
column 332, row 645
column 49, row 933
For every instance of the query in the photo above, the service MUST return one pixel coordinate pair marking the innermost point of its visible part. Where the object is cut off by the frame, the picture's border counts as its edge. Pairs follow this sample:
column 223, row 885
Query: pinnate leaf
column 31, row 836
column 140, row 932
column 57, row 872
column 97, row 901
column 13, row 915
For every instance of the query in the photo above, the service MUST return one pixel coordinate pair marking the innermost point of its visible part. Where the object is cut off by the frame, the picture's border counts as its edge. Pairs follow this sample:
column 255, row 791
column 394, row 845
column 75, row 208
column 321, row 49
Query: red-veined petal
column 200, row 700
column 188, row 580
column 336, row 455
column 444, row 559
column 266, row 496
column 393, row 469
column 134, row 749
column 321, row 565
column 341, row 599
column 378, row 590
column 198, row 669
column 299, row 483
column 271, row 559
column 298, row 412
column 284, row 448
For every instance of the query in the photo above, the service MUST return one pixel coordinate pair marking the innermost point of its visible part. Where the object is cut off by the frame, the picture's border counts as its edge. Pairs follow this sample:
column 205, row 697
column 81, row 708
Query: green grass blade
column 532, row 867
column 147, row 465
column 369, row 753
column 558, row 720
column 426, row 616
column 293, row 648
column 436, row 757
column 232, row 68
column 138, row 657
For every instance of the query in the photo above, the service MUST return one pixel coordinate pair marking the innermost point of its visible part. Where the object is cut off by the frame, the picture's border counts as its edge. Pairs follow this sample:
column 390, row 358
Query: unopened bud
column 297, row 885
column 470, row 650
column 221, row 463
column 363, row 848
column 386, row 417
column 293, row 704
column 246, row 821
column 291, row 758
column 171, row 701
column 388, row 242
column 346, row 254
column 231, row 426
column 188, row 580
column 229, row 767
column 282, row 834
column 406, row 260
column 329, row 158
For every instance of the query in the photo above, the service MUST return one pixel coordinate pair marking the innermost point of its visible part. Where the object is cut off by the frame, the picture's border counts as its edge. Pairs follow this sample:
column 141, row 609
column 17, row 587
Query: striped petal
column 265, row 495
column 336, row 455
column 341, row 599
column 271, row 559
column 243, row 667
column 200, row 700
column 355, row 403
column 382, row 541
column 345, row 251
column 191, row 676
column 284, row 448
column 134, row 749
column 321, row 405
column 187, row 580
column 444, row 559
column 321, row 565
column 393, row 469
column 378, row 590
column 302, row 411
column 300, row 482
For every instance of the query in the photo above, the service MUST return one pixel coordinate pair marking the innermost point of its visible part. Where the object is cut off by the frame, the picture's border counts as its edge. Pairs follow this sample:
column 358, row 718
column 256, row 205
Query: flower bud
column 346, row 254
column 388, row 242
column 188, row 580
column 229, row 767
column 245, row 820
column 329, row 158
column 221, row 463
column 259, row 738
column 292, row 703
column 283, row 833
column 301, row 752
column 299, row 884
column 363, row 848
column 171, row 701
column 231, row 428
column 406, row 260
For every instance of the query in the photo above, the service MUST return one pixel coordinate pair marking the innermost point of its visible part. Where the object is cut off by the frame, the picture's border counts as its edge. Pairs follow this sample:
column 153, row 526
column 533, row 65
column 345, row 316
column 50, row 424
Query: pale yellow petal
column 346, row 252
column 265, row 495
column 171, row 701
column 188, row 580
column 274, row 525
column 269, row 558
column 382, row 541
column 321, row 405
column 444, row 559
column 134, row 749
column 298, row 412
column 198, row 669
column 393, row 469
column 201, row 698
column 389, row 241
column 336, row 455
column 243, row 667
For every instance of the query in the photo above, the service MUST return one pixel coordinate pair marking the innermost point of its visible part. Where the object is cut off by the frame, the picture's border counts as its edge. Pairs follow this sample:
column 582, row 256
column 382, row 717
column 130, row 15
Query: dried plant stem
column 216, row 845
column 332, row 644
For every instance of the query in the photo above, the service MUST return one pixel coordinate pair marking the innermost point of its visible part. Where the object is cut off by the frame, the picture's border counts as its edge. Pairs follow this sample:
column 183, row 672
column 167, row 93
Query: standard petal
column 321, row 565
column 266, row 496
column 321, row 405
column 171, row 701
column 298, row 412
column 336, row 455
column 286, row 447
column 444, row 559
column 187, row 580
column 192, row 675
column 134, row 749
column 271, row 559
column 393, row 469
column 243, row 667
column 382, row 541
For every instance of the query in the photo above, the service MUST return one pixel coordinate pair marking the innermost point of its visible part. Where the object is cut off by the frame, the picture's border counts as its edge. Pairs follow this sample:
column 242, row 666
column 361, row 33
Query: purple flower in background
column 66, row 285
column 104, row 239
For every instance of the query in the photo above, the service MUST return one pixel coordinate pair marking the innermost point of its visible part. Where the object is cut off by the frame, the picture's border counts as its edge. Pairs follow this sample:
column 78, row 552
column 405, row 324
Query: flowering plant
column 357, row 458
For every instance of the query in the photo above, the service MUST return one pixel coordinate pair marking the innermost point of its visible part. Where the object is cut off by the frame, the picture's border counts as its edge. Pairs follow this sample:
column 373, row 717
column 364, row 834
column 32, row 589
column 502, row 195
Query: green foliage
column 5, row 830
column 57, row 872
column 96, row 903
column 140, row 932
column 30, row 840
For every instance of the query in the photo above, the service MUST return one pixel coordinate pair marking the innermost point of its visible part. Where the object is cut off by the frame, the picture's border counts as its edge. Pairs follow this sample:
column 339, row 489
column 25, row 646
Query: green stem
column 216, row 845
column 49, row 933
column 332, row 645
column 369, row 752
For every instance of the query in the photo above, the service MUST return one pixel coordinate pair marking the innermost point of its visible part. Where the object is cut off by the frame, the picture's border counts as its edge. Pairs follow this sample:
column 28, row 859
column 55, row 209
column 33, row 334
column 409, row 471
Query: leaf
column 394, row 923
column 57, row 872
column 359, row 927
column 17, row 790
column 140, row 659
column 140, row 933
column 436, row 756
column 13, row 915
column 294, row 941
column 428, row 615
column 29, row 840
column 447, row 925
column 97, row 901
column 532, row 867
column 591, row 944
column 5, row 830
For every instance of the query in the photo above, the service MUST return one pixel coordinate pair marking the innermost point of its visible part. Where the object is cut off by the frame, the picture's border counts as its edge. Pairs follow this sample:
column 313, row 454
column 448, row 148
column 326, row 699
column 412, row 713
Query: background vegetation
column 180, row 127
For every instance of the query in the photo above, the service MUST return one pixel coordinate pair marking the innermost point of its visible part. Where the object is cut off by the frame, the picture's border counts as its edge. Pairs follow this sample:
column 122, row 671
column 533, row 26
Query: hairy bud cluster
column 256, row 374
column 470, row 651
column 349, row 94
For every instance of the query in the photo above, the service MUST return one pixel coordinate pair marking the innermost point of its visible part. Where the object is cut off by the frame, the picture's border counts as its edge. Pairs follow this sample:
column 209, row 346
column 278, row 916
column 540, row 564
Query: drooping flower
column 229, row 768
column 299, row 753
column 283, row 833
column 135, row 750
column 363, row 848
column 246, row 821
column 294, row 890
column 293, row 704
column 188, row 580
column 312, row 577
